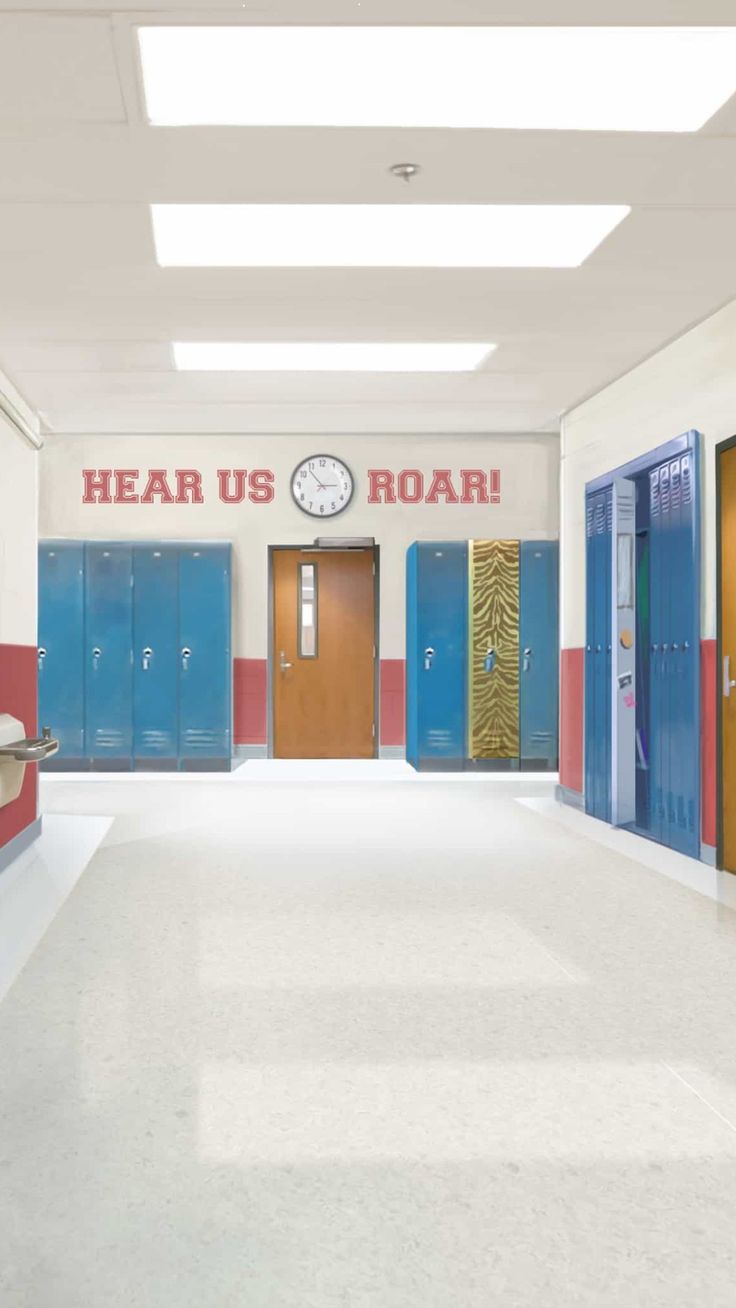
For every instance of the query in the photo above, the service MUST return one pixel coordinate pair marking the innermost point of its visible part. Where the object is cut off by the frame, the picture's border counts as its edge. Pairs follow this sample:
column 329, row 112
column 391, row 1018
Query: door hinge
column 373, row 731
column 374, row 567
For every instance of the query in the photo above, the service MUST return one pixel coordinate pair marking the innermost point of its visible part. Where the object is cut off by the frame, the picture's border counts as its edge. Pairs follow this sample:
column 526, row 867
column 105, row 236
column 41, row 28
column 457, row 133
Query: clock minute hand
column 316, row 478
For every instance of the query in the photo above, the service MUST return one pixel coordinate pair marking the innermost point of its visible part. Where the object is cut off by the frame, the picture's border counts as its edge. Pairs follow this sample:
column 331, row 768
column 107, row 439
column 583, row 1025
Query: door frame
column 270, row 678
column 721, row 448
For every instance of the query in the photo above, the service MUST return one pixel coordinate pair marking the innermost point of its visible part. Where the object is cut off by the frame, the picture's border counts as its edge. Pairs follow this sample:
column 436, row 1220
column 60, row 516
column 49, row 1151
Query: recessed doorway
column 323, row 652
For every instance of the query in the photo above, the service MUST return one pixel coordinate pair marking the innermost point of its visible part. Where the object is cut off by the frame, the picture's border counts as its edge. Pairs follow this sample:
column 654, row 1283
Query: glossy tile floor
column 309, row 1044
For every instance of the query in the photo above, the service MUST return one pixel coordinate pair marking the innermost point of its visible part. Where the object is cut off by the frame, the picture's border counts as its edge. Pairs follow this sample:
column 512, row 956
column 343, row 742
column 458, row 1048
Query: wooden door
column 323, row 656
column 727, row 690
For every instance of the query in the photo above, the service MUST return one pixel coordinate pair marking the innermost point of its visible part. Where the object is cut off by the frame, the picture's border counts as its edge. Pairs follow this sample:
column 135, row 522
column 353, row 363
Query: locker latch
column 428, row 656
column 490, row 659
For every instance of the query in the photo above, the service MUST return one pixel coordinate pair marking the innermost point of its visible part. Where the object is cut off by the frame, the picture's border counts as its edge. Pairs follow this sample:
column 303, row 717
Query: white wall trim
column 19, row 414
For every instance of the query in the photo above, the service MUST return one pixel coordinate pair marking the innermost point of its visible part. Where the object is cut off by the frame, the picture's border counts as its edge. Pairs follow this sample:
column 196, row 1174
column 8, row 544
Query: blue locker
column 539, row 654
column 437, row 653
column 108, row 654
column 598, row 663
column 60, row 645
column 674, row 753
column 205, row 669
column 412, row 661
column 155, row 654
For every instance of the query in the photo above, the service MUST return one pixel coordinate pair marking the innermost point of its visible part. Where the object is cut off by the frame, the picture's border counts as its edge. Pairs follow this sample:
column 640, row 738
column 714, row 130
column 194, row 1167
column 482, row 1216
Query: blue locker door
column 598, row 655
column 539, row 656
column 441, row 652
column 60, row 644
column 681, row 739
column 412, row 658
column 205, row 667
column 108, row 653
column 156, row 653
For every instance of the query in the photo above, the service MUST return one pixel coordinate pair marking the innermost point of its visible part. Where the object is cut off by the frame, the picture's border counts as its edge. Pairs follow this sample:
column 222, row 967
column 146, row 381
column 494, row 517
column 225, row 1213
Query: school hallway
column 347, row 1034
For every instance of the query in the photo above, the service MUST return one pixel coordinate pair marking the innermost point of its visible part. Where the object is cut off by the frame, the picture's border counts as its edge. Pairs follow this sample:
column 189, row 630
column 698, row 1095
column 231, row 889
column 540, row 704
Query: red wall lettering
column 442, row 485
column 236, row 494
column 96, row 486
column 475, row 490
column 157, row 487
column 188, row 486
column 125, row 492
column 495, row 486
column 381, row 483
column 414, row 477
column 261, row 486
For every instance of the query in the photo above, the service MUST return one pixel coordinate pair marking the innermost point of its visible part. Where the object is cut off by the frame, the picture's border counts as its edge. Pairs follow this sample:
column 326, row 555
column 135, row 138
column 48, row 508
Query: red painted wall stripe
column 572, row 684
column 250, row 677
column 393, row 701
column 708, row 710
column 18, row 671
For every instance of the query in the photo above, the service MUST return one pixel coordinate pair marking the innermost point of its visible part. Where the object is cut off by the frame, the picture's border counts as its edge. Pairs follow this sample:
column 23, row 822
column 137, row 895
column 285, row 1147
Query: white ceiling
column 86, row 315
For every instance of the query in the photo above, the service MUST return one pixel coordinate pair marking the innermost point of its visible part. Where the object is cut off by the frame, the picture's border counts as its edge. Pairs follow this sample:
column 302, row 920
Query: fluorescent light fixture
column 627, row 79
column 327, row 356
column 381, row 235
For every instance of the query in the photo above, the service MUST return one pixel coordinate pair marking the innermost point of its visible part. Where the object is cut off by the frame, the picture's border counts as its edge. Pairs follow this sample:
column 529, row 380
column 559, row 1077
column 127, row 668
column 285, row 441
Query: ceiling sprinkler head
column 405, row 171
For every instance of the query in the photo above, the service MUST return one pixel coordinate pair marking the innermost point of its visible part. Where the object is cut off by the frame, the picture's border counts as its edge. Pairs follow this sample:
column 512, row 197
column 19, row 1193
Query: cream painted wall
column 529, row 505
column 691, row 384
column 18, row 552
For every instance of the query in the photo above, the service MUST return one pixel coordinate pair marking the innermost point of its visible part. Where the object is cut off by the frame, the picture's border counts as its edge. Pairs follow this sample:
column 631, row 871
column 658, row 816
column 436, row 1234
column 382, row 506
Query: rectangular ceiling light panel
column 381, row 235
column 326, row 356
column 647, row 79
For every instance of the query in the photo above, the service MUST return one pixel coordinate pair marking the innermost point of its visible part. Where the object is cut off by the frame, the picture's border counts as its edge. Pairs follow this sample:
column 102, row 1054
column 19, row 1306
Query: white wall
column 529, row 505
column 18, row 552
column 690, row 384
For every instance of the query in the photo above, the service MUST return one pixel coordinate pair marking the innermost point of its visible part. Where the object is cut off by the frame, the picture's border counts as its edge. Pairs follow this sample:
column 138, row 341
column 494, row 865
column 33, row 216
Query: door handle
column 490, row 659
column 96, row 655
column 146, row 656
column 527, row 660
column 282, row 661
column 41, row 657
column 186, row 654
column 728, row 684
column 428, row 657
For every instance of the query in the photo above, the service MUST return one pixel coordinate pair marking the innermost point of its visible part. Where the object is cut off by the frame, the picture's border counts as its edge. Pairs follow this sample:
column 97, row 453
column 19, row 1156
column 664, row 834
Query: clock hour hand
column 316, row 478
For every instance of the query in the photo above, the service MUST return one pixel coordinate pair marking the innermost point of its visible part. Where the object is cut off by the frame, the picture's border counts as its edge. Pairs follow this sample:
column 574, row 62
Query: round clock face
column 322, row 486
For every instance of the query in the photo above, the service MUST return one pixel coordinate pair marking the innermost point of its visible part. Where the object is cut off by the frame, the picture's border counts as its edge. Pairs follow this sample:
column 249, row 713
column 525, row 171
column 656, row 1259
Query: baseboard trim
column 708, row 854
column 19, row 843
column 573, row 798
column 244, row 752
column 392, row 751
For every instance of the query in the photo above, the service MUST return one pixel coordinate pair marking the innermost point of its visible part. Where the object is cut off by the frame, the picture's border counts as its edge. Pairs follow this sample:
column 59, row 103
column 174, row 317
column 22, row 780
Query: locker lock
column 428, row 656
column 41, row 656
column 490, row 659
column 186, row 654
column 146, row 656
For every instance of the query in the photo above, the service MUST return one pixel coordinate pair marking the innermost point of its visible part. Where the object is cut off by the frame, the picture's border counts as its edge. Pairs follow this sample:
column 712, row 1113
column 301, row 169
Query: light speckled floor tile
column 465, row 1058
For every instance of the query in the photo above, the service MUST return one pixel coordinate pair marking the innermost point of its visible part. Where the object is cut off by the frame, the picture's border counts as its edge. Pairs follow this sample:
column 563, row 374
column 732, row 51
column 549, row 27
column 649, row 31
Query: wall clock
column 322, row 486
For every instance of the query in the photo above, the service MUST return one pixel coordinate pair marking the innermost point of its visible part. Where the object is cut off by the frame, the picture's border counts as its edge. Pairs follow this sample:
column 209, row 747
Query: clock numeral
column 321, row 508
column 333, row 506
column 323, row 463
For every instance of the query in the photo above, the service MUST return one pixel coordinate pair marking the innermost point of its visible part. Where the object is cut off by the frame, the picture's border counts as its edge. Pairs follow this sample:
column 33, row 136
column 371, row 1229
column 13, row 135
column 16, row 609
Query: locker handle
column 527, row 660
column 96, row 655
column 490, row 660
column 146, row 656
column 186, row 654
column 41, row 656
column 428, row 657
column 728, row 684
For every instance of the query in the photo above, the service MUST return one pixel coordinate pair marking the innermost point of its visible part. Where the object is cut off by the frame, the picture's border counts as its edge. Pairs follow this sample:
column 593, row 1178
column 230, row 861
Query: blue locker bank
column 482, row 655
column 135, row 654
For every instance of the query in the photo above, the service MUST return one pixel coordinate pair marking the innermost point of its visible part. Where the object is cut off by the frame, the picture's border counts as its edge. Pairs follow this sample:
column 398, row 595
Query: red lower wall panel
column 18, row 671
column 250, row 682
column 393, row 701
column 572, row 683
column 708, row 710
